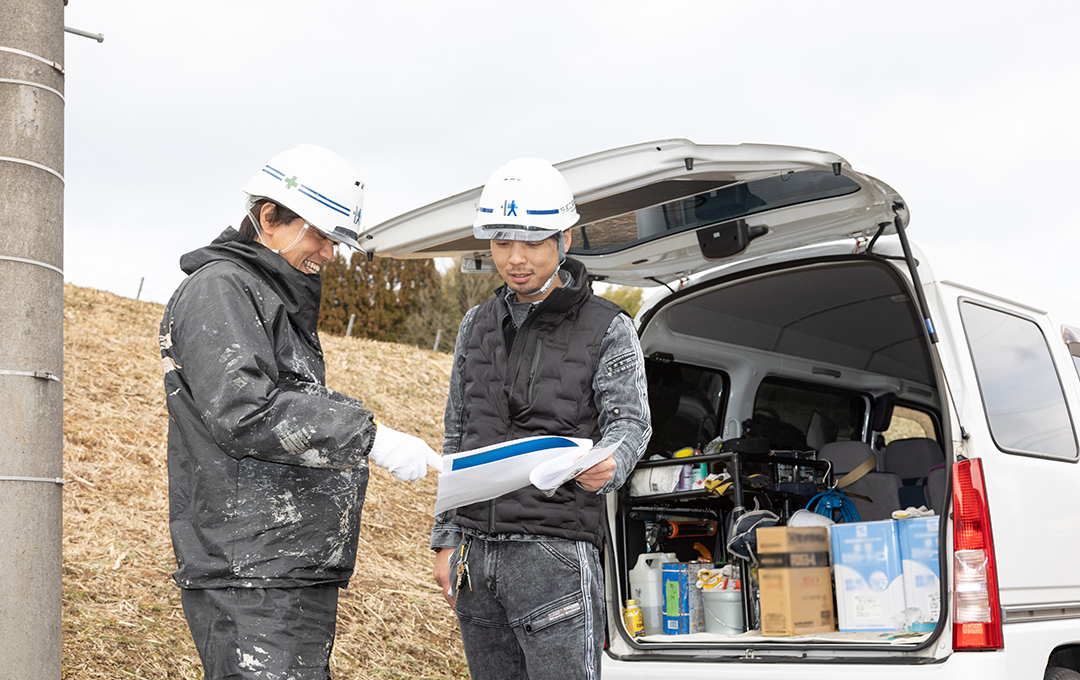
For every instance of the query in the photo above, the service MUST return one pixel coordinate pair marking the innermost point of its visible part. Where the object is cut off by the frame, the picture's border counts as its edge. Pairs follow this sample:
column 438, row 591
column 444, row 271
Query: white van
column 799, row 328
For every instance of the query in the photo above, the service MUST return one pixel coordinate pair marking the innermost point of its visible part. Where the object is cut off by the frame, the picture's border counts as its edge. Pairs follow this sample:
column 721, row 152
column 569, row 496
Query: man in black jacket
column 268, row 467
column 543, row 357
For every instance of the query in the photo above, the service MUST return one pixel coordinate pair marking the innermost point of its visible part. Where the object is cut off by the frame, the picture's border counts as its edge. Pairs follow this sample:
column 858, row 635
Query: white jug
column 646, row 586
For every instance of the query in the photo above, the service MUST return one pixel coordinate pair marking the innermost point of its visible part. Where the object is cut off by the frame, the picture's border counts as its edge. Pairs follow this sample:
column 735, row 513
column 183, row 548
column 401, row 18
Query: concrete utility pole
column 31, row 336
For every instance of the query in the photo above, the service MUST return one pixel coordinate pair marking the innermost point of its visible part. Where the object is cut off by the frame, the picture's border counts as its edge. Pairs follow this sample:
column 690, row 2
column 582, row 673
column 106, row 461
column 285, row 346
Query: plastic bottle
column 686, row 472
column 692, row 476
column 646, row 586
column 635, row 623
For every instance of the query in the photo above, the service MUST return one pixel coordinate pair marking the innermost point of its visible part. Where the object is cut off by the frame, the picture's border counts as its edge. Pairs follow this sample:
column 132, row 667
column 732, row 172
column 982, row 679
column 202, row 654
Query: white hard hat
column 316, row 184
column 525, row 200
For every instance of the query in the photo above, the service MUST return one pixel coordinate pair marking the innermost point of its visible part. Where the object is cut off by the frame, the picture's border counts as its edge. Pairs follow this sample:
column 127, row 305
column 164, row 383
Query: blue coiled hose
column 827, row 502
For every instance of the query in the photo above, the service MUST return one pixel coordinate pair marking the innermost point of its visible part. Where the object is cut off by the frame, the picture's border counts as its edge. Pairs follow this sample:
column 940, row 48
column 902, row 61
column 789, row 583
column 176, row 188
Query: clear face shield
column 512, row 232
column 345, row 239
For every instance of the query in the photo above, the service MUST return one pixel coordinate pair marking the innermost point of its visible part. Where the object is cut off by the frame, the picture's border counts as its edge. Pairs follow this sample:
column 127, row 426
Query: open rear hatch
column 660, row 211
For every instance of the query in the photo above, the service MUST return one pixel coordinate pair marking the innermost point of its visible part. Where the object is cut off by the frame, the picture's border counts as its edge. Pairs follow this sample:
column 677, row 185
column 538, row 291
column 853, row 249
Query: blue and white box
column 920, row 557
column 683, row 607
column 869, row 576
column 676, row 614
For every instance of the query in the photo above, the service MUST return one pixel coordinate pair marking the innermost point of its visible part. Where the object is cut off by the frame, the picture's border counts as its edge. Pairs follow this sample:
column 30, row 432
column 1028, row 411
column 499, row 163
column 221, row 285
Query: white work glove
column 405, row 456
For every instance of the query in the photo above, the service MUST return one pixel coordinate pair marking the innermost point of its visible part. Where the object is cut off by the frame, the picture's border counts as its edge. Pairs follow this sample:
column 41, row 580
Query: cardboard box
column 795, row 585
column 919, row 556
column 869, row 576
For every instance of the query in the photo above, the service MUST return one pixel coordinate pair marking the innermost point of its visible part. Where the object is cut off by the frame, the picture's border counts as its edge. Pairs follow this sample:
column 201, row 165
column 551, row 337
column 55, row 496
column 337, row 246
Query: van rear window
column 1021, row 391
column 910, row 423
column 637, row 216
column 798, row 416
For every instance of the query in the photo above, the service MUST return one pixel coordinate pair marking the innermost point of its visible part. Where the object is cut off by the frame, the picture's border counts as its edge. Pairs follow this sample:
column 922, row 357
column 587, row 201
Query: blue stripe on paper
column 511, row 450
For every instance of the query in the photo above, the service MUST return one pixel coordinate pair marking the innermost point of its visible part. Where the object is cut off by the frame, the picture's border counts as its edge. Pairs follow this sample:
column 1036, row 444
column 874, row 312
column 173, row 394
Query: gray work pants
column 535, row 610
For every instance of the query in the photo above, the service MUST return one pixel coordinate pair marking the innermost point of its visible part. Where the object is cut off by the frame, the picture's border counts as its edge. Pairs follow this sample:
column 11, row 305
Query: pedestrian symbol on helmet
column 535, row 200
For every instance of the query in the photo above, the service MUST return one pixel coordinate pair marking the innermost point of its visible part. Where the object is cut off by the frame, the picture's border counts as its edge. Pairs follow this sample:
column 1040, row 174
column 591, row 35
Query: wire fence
column 151, row 289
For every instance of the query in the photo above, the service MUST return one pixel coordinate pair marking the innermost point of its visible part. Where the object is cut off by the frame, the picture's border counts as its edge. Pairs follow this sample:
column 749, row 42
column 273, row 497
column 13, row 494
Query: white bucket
column 723, row 611
column 646, row 586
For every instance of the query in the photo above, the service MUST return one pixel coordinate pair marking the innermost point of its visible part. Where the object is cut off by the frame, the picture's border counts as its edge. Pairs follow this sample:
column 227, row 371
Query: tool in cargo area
column 670, row 529
column 657, row 518
column 660, row 532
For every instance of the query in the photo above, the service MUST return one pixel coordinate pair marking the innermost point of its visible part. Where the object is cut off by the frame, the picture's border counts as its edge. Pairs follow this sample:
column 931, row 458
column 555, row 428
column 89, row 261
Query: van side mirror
column 730, row 238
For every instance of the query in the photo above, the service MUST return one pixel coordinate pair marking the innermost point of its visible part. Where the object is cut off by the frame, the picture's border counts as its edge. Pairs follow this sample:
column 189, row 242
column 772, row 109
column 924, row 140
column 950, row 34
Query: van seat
column 935, row 488
column 912, row 460
column 881, row 489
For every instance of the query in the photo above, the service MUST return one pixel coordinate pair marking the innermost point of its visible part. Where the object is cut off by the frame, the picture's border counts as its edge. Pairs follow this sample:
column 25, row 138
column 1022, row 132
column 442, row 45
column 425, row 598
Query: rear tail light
column 976, row 610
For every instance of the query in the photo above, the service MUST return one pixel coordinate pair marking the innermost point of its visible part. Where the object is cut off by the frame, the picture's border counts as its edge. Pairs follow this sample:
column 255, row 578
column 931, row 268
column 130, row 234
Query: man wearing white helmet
column 268, row 467
column 543, row 357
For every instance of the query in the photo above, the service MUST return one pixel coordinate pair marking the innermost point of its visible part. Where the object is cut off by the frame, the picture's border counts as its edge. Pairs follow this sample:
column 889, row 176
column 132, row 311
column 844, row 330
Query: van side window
column 686, row 404
column 804, row 416
column 1021, row 391
column 910, row 423
column 1072, row 341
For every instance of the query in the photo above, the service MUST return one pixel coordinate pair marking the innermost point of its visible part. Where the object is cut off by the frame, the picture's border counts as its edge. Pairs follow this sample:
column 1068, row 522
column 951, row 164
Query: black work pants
column 263, row 633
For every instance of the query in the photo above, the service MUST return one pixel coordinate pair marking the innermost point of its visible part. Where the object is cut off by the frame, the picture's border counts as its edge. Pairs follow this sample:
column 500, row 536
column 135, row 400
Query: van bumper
column 962, row 666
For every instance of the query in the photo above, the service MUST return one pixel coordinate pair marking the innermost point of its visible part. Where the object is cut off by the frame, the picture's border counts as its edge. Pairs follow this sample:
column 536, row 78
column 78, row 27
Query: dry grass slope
column 122, row 616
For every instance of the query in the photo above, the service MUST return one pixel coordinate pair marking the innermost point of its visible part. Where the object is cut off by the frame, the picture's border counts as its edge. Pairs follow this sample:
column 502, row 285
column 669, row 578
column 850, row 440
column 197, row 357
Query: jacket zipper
column 520, row 333
column 532, row 369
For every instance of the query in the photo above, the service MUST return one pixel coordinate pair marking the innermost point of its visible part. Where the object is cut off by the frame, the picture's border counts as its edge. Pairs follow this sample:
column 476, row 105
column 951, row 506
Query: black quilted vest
column 536, row 381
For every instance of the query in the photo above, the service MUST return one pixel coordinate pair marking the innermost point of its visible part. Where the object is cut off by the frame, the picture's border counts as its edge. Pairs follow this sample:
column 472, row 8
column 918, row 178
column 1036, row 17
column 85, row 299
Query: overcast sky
column 968, row 109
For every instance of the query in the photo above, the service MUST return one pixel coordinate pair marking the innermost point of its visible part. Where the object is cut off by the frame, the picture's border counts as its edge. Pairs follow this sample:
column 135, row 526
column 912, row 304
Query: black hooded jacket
column 267, row 467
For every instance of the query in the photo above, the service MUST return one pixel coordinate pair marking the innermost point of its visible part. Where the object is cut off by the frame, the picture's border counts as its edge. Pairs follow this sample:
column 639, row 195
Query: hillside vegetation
column 122, row 615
